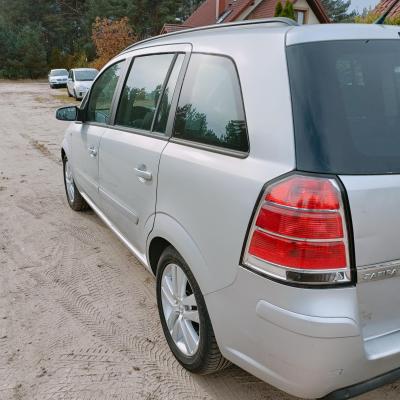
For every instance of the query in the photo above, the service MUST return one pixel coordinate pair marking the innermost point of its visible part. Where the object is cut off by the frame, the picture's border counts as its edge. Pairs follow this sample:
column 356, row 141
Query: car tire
column 74, row 198
column 75, row 96
column 201, row 353
column 51, row 87
column 69, row 94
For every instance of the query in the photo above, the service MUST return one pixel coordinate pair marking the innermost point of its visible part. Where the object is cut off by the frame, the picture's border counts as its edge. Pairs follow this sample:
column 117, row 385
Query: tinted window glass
column 102, row 93
column 58, row 72
column 142, row 91
column 87, row 75
column 346, row 106
column 165, row 104
column 210, row 107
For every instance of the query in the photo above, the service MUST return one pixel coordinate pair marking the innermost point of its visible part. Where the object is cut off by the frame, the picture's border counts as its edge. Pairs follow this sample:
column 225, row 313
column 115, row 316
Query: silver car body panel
column 308, row 342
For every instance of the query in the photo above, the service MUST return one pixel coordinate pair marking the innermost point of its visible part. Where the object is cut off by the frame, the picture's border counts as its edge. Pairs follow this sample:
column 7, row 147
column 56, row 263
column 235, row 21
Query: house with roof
column 218, row 11
column 384, row 5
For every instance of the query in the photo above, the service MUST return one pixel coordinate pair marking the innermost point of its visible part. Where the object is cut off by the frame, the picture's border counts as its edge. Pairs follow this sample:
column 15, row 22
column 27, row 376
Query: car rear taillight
column 299, row 233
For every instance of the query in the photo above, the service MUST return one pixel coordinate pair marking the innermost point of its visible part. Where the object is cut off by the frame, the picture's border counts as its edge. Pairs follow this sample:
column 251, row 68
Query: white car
column 58, row 78
column 80, row 81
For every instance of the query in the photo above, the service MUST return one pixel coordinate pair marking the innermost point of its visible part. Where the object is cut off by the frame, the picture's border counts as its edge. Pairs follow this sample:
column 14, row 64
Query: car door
column 131, row 150
column 70, row 82
column 85, row 137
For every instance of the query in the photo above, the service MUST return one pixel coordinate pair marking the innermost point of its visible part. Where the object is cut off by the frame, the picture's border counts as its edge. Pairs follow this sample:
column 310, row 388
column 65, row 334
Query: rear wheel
column 184, row 316
column 75, row 199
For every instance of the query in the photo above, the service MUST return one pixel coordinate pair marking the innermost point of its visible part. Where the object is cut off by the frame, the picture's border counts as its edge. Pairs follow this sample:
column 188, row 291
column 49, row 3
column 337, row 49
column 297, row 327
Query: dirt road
column 78, row 317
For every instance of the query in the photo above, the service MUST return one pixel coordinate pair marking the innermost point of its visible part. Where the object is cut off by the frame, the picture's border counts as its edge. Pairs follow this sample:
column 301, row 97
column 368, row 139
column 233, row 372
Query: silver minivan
column 254, row 169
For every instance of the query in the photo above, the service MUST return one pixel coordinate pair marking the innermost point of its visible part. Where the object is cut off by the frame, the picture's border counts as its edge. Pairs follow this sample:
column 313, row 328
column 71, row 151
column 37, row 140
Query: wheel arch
column 168, row 231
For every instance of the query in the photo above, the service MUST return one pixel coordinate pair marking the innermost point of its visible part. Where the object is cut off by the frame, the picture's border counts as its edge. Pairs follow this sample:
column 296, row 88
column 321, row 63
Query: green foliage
column 369, row 17
column 278, row 9
column 287, row 11
column 37, row 35
column 337, row 10
column 24, row 53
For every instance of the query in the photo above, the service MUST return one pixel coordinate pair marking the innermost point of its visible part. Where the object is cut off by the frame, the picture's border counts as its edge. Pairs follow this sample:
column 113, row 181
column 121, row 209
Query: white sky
column 359, row 5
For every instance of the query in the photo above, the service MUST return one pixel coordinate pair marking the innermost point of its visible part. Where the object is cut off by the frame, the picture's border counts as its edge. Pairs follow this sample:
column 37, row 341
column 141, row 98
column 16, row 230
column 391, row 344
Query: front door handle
column 143, row 174
column 92, row 151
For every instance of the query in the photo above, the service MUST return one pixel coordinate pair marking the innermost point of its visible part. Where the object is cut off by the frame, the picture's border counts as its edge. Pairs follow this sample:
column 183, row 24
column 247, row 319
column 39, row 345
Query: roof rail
column 282, row 20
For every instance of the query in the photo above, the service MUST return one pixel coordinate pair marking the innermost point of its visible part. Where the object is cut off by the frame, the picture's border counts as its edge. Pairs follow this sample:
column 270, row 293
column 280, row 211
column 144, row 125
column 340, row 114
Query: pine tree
column 337, row 10
column 278, row 9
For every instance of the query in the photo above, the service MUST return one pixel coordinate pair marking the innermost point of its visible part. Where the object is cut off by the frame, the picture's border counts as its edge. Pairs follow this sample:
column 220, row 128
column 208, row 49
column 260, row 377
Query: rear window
column 346, row 106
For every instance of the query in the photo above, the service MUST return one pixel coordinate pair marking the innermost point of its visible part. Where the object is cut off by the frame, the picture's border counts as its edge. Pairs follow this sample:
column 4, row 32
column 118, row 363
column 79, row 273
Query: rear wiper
column 382, row 18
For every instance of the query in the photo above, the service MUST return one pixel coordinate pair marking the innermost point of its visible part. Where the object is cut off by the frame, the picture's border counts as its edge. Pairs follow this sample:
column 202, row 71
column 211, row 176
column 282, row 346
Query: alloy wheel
column 180, row 309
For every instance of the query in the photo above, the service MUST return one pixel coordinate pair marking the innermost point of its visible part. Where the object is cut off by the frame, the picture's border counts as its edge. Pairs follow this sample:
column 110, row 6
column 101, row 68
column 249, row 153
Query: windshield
column 59, row 72
column 88, row 75
column 346, row 106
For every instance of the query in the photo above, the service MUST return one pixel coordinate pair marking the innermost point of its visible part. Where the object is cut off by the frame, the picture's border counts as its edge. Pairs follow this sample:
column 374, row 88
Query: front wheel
column 184, row 316
column 75, row 199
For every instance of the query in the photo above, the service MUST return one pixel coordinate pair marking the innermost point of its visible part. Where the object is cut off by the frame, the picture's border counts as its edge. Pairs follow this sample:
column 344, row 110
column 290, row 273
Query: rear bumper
column 307, row 342
column 363, row 387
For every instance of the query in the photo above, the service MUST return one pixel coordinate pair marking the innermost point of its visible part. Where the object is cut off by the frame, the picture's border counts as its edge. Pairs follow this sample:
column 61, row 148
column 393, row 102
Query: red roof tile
column 206, row 13
column 168, row 28
column 266, row 9
column 384, row 5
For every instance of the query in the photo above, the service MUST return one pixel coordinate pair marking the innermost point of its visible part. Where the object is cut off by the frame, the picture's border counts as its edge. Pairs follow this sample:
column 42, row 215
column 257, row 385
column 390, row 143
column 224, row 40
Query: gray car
column 254, row 169
column 80, row 81
column 58, row 78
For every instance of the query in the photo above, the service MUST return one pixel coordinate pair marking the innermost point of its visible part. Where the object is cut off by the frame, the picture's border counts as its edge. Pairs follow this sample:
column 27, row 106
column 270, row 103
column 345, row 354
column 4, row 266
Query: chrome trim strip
column 309, row 210
column 295, row 239
column 141, row 257
column 377, row 272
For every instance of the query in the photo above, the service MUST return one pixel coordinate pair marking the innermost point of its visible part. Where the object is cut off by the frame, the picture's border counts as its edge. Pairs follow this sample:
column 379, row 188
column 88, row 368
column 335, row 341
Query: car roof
column 330, row 32
column 84, row 69
column 294, row 33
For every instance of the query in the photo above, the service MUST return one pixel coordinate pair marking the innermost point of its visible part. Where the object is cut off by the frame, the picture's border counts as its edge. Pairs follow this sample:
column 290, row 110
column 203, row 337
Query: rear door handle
column 143, row 174
column 92, row 151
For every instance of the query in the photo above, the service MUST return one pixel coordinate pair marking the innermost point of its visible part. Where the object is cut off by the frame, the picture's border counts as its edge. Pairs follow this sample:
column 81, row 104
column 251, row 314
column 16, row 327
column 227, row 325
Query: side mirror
column 67, row 113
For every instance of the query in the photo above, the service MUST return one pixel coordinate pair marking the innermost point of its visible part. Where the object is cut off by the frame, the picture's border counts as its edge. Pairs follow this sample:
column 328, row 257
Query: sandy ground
column 78, row 316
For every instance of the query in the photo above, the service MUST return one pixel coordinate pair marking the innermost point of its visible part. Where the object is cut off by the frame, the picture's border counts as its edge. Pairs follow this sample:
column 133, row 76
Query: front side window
column 101, row 95
column 210, row 108
column 142, row 91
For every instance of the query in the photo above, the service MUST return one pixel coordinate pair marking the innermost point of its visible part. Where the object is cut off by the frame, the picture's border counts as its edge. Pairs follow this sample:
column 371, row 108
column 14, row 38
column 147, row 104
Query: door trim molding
column 141, row 257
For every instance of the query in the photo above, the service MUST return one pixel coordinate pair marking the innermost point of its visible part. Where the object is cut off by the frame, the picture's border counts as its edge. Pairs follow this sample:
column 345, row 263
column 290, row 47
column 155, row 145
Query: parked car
column 254, row 169
column 80, row 81
column 58, row 78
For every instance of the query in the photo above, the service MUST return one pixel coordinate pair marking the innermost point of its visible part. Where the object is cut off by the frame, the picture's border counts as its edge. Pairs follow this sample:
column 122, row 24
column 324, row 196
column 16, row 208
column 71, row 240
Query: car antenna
column 382, row 18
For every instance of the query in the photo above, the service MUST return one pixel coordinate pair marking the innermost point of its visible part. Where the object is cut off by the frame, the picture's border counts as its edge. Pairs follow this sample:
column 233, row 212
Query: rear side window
column 142, row 91
column 102, row 93
column 210, row 108
column 346, row 106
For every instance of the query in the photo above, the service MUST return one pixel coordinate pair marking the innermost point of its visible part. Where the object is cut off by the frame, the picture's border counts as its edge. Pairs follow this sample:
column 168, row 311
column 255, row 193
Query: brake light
column 299, row 232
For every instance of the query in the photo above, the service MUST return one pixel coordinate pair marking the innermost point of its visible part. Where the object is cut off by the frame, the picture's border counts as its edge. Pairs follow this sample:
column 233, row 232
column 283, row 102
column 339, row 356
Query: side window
column 161, row 120
column 101, row 94
column 210, row 108
column 142, row 91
